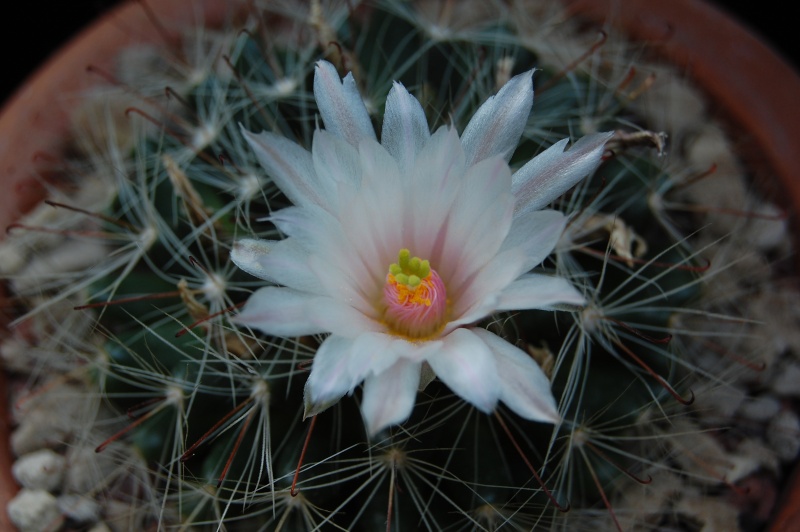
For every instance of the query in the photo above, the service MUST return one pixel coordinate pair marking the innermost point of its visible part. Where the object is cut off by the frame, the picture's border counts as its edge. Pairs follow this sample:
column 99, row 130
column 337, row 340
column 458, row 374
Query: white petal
column 330, row 376
column 498, row 124
column 472, row 314
column 298, row 222
column 554, row 171
column 373, row 220
column 537, row 291
column 279, row 312
column 339, row 259
column 417, row 351
column 405, row 128
column 389, row 396
column 340, row 105
column 531, row 239
column 342, row 286
column 467, row 366
column 524, row 388
column 478, row 222
column 337, row 317
column 439, row 172
column 311, row 408
column 441, row 163
column 288, row 164
column 247, row 254
column 282, row 262
column 311, row 226
column 533, row 236
column 372, row 353
column 337, row 262
column 342, row 253
column 335, row 162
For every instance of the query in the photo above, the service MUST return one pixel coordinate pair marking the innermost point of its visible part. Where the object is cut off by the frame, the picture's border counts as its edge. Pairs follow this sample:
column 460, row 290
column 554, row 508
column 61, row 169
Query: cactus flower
column 398, row 248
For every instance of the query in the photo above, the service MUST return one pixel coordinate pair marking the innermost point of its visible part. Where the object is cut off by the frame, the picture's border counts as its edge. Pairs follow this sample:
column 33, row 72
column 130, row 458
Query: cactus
column 197, row 420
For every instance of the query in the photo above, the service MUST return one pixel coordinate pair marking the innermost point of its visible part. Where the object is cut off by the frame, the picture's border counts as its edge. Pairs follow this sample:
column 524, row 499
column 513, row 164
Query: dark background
column 31, row 31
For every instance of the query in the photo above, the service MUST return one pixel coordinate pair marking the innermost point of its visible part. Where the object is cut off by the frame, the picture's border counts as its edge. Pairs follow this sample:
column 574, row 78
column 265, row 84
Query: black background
column 31, row 31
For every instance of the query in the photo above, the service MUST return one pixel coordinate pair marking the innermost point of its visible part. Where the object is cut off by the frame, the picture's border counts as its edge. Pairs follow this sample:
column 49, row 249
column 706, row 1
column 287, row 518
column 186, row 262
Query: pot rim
column 35, row 108
column 735, row 68
column 40, row 106
column 755, row 87
column 691, row 34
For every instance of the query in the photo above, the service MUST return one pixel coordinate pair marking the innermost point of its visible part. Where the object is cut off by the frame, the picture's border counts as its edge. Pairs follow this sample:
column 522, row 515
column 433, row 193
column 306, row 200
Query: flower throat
column 415, row 297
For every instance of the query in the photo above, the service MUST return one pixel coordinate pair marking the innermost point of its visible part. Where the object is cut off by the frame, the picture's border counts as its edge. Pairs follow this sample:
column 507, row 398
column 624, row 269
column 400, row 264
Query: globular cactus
column 198, row 419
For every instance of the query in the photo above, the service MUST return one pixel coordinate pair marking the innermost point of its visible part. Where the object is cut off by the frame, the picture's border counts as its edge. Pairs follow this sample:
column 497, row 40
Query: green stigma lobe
column 403, row 258
column 424, row 269
column 409, row 270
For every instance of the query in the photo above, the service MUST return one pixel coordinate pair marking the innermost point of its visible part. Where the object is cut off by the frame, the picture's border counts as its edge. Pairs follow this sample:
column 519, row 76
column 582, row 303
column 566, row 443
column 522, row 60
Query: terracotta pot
column 745, row 79
column 35, row 120
column 756, row 89
column 737, row 71
column 39, row 108
column 752, row 87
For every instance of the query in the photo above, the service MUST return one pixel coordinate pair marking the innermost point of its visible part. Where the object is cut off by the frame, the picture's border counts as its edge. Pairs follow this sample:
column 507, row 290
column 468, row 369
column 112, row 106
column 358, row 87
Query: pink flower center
column 415, row 297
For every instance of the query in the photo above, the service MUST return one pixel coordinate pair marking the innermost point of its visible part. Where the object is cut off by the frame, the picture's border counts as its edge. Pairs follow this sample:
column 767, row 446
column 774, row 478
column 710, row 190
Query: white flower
column 398, row 248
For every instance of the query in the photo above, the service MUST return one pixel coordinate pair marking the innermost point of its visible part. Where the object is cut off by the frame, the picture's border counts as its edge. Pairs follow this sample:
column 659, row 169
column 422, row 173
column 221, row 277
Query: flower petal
column 338, row 317
column 335, row 162
column 338, row 257
column 541, row 292
column 498, row 124
column 554, row 171
column 336, row 262
column 524, row 387
column 341, row 364
column 405, row 128
column 340, row 105
column 279, row 312
column 372, row 353
column 417, row 351
column 533, row 236
column 344, row 252
column 389, row 396
column 375, row 221
column 247, row 254
column 478, row 222
column 299, row 223
column 343, row 286
column 439, row 173
column 531, row 239
column 330, row 376
column 282, row 262
column 288, row 164
column 467, row 366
